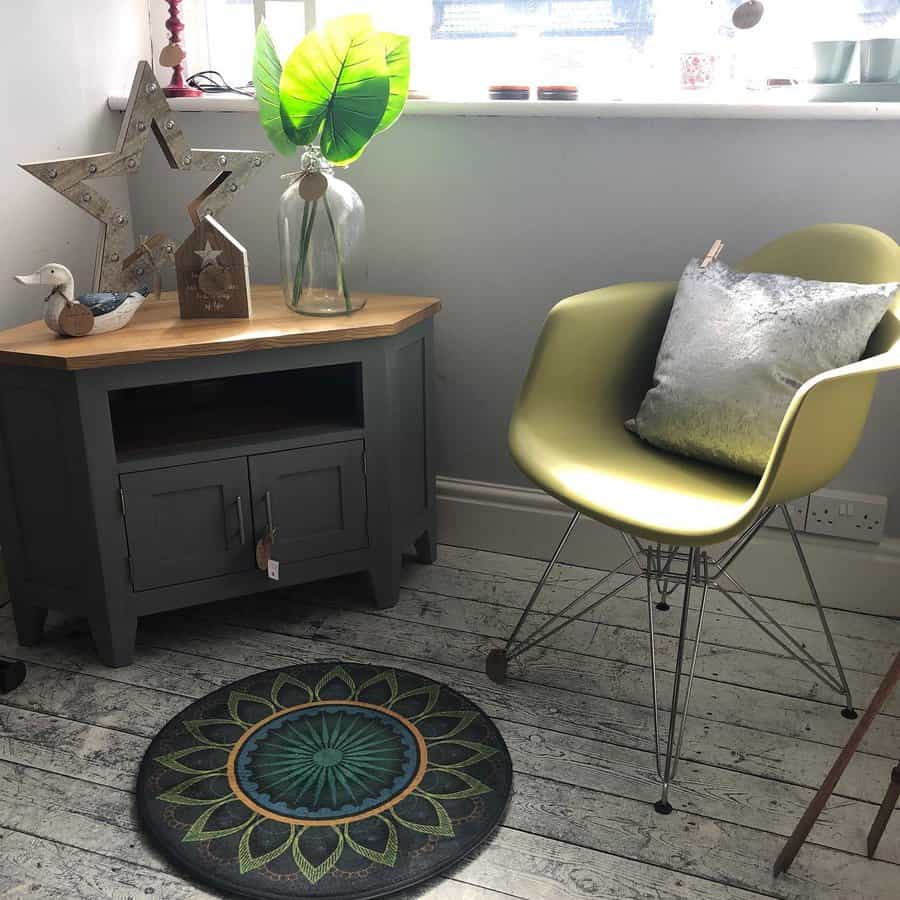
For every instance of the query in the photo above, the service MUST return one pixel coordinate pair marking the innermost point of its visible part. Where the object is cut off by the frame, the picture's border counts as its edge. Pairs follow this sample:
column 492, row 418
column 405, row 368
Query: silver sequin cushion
column 737, row 348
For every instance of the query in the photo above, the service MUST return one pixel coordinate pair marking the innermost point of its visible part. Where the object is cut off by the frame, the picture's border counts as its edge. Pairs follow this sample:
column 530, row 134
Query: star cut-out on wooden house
column 116, row 267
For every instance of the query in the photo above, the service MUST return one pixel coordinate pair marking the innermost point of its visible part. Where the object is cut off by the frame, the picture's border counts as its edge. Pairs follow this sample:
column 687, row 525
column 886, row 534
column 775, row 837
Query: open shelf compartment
column 185, row 417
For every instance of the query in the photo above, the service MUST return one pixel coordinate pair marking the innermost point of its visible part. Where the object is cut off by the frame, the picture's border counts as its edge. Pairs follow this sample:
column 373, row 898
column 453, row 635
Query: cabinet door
column 184, row 522
column 316, row 498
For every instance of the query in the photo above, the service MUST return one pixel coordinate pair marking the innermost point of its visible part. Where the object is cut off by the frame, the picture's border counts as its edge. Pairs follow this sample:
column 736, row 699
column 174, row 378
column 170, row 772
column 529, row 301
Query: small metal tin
column 509, row 92
column 557, row 92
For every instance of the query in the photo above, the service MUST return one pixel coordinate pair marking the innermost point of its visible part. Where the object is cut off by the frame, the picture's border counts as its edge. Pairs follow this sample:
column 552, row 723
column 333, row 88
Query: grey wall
column 502, row 217
column 61, row 60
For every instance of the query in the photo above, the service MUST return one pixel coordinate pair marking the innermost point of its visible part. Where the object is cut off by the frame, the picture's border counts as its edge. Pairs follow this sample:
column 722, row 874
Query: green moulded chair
column 590, row 371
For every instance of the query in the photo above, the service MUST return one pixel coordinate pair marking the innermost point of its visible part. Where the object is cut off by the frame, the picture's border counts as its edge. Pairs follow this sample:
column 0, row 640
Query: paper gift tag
column 75, row 320
column 312, row 186
column 273, row 569
column 264, row 550
column 171, row 55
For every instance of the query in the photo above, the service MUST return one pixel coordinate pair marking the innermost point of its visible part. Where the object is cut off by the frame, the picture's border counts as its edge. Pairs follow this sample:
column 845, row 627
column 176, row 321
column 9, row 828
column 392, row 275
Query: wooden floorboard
column 730, row 670
column 725, row 629
column 46, row 869
column 788, row 612
column 622, row 724
column 575, row 716
column 111, row 757
column 416, row 623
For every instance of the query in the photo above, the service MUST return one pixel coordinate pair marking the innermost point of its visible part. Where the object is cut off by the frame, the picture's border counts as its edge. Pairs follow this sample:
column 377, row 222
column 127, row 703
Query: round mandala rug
column 326, row 780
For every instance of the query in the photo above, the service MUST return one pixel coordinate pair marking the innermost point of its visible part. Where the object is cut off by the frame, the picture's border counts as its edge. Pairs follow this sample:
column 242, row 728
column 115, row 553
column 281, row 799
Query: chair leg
column 663, row 585
column 497, row 660
column 849, row 712
column 667, row 770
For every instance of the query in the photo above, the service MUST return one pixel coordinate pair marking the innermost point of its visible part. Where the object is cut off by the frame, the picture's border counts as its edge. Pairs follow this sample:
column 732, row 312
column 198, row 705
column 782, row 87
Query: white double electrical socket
column 858, row 517
column 844, row 514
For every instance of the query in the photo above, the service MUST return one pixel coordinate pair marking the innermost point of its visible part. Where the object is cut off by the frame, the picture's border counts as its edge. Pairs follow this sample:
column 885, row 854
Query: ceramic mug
column 697, row 70
column 832, row 61
column 879, row 60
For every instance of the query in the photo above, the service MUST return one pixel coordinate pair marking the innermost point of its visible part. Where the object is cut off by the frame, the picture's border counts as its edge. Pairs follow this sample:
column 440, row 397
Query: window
column 608, row 48
column 562, row 18
column 230, row 31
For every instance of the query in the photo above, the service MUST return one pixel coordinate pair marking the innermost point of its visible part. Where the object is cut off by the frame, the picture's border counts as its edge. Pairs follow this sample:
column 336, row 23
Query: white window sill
column 790, row 105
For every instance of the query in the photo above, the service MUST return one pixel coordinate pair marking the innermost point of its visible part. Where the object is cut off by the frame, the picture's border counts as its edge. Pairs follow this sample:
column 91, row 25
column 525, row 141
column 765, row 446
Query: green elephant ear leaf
column 396, row 55
column 337, row 80
column 266, row 78
column 300, row 137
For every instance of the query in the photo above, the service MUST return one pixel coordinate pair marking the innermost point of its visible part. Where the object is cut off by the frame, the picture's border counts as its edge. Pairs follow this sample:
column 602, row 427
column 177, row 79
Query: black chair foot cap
column 496, row 665
column 663, row 807
column 849, row 713
column 12, row 674
column 662, row 606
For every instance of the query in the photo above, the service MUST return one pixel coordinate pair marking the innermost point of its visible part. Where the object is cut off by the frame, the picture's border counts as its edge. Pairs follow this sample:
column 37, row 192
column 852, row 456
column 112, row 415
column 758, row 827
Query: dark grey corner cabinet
column 140, row 468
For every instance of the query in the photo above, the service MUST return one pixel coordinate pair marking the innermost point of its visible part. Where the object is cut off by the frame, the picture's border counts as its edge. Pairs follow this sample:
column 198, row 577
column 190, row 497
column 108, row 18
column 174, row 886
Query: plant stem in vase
column 342, row 278
column 309, row 219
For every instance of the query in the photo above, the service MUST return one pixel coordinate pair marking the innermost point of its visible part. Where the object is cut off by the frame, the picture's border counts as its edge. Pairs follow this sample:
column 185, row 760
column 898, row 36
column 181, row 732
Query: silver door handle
column 240, row 512
column 269, row 521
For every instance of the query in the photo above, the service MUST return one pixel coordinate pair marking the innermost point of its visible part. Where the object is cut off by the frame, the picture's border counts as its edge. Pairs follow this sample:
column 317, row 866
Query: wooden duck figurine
column 90, row 313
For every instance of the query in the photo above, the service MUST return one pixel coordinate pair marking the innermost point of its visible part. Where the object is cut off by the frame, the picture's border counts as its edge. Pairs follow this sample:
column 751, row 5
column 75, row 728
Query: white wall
column 61, row 60
column 503, row 217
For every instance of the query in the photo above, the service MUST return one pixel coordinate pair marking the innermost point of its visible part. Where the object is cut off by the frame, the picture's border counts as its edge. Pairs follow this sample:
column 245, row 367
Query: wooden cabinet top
column 157, row 333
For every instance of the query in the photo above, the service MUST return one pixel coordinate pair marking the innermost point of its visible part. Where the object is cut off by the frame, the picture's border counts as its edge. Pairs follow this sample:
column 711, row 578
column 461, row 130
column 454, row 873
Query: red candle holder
column 173, row 55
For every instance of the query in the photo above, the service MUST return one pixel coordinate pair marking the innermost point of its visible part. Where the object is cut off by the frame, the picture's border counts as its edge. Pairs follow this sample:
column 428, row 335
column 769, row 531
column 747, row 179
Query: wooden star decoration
column 116, row 267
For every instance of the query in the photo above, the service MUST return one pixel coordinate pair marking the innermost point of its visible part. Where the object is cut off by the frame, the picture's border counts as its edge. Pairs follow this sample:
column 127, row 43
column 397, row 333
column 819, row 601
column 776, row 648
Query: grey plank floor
column 575, row 715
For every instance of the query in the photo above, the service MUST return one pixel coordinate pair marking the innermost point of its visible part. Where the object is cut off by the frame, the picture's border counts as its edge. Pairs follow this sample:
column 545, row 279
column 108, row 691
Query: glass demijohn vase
column 322, row 236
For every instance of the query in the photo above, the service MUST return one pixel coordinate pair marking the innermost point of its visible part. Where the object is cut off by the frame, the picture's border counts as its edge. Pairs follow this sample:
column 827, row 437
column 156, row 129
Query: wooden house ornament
column 213, row 276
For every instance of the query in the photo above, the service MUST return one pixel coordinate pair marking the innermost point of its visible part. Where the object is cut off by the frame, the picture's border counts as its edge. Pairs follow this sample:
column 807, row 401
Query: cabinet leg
column 114, row 637
column 12, row 674
column 385, row 581
column 426, row 548
column 29, row 622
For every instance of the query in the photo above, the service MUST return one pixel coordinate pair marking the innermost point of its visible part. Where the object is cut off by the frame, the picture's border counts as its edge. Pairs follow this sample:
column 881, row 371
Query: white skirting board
column 527, row 522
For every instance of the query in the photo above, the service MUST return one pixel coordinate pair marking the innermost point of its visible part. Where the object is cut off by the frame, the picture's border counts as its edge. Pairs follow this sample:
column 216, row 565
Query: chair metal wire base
column 670, row 569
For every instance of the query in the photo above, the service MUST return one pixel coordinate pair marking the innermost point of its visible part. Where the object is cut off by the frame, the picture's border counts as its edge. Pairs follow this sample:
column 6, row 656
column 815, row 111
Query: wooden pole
column 813, row 811
column 884, row 813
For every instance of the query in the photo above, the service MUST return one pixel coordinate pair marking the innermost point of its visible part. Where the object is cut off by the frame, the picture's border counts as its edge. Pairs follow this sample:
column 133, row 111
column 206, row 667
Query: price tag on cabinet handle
column 264, row 550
